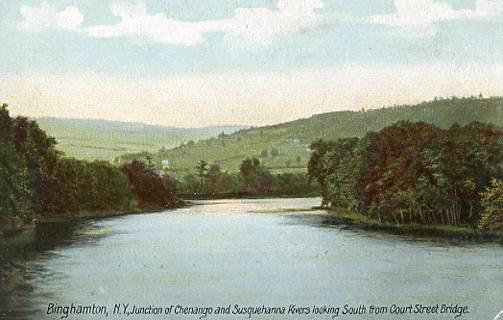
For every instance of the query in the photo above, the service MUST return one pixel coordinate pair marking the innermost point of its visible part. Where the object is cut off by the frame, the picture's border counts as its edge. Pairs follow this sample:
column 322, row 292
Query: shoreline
column 346, row 217
column 15, row 225
column 219, row 196
column 336, row 216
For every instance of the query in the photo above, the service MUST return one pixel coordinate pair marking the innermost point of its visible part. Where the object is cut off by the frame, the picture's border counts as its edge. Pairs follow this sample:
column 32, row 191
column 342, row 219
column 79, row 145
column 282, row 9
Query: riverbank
column 14, row 224
column 21, row 240
column 9, row 227
column 230, row 195
column 461, row 232
column 146, row 258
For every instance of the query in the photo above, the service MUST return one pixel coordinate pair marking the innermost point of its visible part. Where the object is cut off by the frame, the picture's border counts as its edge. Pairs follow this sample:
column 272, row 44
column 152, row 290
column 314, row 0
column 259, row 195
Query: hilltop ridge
column 284, row 147
column 93, row 139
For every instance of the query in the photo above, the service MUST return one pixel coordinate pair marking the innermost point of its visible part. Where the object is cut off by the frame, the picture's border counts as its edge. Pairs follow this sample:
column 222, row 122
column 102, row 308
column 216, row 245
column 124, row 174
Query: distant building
column 165, row 169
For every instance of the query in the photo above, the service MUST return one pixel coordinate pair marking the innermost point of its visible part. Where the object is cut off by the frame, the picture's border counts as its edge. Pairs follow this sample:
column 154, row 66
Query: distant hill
column 285, row 147
column 105, row 140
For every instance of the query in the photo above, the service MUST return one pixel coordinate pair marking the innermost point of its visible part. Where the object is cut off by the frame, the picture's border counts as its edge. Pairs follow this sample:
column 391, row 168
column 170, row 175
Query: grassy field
column 106, row 140
column 285, row 147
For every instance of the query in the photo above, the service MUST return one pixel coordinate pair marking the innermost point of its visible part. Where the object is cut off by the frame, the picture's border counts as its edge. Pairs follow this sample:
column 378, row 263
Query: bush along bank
column 252, row 180
column 37, row 181
column 416, row 174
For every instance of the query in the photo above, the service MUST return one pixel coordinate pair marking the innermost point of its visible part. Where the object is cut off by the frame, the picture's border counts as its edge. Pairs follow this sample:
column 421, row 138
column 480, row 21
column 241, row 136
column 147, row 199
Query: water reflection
column 323, row 219
column 251, row 252
column 23, row 253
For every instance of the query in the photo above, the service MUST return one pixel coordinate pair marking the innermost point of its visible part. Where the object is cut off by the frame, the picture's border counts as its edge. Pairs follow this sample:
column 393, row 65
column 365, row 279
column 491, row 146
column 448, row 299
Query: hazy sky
column 206, row 62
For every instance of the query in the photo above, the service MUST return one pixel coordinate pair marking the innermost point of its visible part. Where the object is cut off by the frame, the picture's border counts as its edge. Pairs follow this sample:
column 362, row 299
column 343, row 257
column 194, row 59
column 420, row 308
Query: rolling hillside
column 106, row 140
column 285, row 147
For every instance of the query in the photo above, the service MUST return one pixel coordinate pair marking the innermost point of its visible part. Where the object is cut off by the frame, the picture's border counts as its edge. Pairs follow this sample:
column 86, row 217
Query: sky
column 193, row 63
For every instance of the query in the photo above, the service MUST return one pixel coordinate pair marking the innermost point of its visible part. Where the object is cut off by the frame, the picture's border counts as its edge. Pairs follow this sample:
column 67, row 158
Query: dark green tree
column 492, row 204
column 202, row 170
column 256, row 179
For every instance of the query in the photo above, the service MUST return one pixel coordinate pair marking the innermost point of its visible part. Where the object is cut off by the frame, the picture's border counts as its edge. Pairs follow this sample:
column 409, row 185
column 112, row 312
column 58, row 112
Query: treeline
column 285, row 145
column 253, row 179
column 36, row 179
column 415, row 173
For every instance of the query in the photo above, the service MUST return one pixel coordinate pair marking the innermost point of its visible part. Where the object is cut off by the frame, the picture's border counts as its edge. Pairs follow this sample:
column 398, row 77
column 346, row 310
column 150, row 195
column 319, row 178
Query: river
column 250, row 253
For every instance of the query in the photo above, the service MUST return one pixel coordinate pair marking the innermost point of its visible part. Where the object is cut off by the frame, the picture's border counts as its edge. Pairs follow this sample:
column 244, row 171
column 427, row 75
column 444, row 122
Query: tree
column 111, row 187
column 293, row 184
column 5, row 123
column 40, row 157
column 202, row 169
column 190, row 184
column 36, row 179
column 399, row 163
column 324, row 160
column 255, row 177
column 214, row 179
column 411, row 172
column 15, row 195
column 152, row 190
column 150, row 163
column 90, row 186
column 249, row 169
column 316, row 167
column 492, row 203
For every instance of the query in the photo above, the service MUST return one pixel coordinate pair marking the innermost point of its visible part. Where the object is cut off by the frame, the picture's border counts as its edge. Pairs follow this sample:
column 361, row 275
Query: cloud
column 290, row 17
column 489, row 9
column 258, row 24
column 158, row 28
column 419, row 13
column 46, row 16
column 419, row 17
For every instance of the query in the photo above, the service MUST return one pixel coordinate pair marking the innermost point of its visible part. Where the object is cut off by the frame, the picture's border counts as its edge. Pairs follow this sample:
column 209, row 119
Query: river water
column 253, row 253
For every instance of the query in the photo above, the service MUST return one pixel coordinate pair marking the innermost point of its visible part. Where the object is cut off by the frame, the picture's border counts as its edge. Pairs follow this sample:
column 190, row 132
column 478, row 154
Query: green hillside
column 105, row 140
column 285, row 147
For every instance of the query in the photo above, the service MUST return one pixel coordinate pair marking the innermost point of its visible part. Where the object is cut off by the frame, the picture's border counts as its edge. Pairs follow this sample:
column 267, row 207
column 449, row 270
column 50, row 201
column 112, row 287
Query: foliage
column 252, row 179
column 40, row 157
column 293, row 184
column 89, row 186
column 36, row 179
column 492, row 202
column 15, row 194
column 14, row 184
column 218, row 181
column 152, row 190
column 202, row 169
column 411, row 172
column 256, row 179
column 292, row 139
